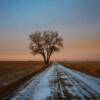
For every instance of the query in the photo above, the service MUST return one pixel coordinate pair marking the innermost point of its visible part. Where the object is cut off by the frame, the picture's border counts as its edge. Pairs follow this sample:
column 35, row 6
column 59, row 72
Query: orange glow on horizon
column 72, row 51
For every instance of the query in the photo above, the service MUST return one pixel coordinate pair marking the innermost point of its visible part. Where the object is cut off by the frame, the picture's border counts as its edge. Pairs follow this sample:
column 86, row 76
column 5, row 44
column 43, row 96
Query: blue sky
column 78, row 21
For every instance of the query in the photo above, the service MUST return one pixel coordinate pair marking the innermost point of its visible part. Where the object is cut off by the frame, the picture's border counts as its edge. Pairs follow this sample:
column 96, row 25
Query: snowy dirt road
column 60, row 83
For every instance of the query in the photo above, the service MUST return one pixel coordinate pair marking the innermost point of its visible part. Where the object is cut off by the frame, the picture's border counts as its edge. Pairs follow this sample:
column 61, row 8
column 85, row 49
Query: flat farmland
column 91, row 68
column 13, row 74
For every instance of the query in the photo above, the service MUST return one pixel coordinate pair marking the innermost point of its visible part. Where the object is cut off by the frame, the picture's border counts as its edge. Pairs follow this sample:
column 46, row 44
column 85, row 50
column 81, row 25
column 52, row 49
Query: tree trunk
column 48, row 57
column 45, row 60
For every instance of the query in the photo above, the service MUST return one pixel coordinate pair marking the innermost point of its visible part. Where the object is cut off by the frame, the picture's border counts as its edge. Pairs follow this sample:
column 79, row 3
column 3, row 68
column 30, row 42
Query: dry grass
column 13, row 71
column 16, row 73
column 13, row 74
column 91, row 68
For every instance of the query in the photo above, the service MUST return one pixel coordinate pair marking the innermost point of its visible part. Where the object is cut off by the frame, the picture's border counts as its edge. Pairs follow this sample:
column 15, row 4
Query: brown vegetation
column 13, row 74
column 91, row 68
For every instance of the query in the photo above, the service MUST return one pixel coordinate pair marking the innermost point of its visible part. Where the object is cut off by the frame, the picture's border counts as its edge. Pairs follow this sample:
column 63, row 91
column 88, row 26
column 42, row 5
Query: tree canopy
column 45, row 43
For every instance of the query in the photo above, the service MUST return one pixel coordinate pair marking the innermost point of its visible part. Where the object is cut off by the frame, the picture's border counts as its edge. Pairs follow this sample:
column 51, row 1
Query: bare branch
column 45, row 43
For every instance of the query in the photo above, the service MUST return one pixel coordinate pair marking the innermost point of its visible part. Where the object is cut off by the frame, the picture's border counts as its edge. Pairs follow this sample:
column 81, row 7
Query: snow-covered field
column 60, row 83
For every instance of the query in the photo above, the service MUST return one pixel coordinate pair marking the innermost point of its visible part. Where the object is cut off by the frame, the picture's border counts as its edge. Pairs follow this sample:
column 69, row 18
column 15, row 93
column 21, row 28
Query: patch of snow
column 91, row 81
column 56, row 79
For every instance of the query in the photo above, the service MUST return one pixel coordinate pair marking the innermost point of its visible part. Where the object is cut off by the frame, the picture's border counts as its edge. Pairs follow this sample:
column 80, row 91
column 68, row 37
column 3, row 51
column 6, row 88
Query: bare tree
column 45, row 43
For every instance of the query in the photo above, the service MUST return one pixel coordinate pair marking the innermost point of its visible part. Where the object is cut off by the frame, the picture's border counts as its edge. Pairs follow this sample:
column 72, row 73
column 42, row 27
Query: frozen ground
column 60, row 83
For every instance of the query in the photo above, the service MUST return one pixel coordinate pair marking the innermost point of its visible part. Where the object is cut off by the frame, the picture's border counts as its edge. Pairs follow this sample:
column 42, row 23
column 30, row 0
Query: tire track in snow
column 60, row 83
column 86, row 91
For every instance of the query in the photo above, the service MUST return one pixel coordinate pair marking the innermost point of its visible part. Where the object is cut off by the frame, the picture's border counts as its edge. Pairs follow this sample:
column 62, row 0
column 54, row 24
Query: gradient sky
column 77, row 21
